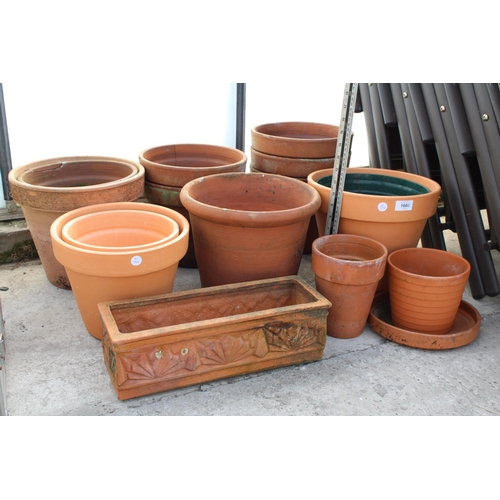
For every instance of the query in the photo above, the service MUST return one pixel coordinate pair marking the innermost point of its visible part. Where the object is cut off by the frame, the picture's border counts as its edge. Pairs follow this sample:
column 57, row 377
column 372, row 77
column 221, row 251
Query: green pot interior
column 378, row 185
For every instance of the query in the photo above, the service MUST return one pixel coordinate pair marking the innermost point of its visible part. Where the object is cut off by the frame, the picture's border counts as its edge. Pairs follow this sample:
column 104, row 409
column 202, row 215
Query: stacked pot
column 117, row 251
column 168, row 168
column 294, row 149
column 47, row 189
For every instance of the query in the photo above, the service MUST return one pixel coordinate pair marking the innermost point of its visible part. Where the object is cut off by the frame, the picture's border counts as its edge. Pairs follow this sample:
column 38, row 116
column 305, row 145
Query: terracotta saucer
column 464, row 330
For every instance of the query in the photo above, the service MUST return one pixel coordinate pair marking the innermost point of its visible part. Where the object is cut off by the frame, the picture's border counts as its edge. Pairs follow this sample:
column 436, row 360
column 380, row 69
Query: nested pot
column 49, row 188
column 347, row 270
column 248, row 226
column 177, row 164
column 296, row 139
column 425, row 288
column 135, row 267
column 389, row 206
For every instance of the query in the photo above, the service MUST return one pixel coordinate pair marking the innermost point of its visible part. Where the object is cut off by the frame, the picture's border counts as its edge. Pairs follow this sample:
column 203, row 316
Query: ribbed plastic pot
column 389, row 206
column 101, row 276
column 296, row 139
column 169, row 196
column 248, row 226
column 49, row 188
column 347, row 270
column 177, row 164
column 425, row 288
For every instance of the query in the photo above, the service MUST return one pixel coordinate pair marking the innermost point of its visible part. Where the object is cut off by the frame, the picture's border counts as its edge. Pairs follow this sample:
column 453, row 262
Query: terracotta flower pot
column 347, row 270
column 291, row 167
column 248, row 226
column 177, row 164
column 425, row 288
column 169, row 196
column 103, row 275
column 118, row 229
column 49, row 188
column 296, row 139
column 386, row 205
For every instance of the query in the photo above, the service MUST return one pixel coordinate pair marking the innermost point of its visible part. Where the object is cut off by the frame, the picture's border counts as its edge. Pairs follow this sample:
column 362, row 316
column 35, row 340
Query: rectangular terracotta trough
column 165, row 342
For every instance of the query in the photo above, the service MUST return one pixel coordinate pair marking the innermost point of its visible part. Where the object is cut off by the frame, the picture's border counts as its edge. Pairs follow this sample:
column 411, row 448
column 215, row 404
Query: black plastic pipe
column 5, row 157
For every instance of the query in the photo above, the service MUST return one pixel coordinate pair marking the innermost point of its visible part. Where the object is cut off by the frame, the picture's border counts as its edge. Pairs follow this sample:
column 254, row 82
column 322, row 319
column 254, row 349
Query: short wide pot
column 425, row 288
column 49, row 188
column 347, row 270
column 133, row 272
column 248, row 226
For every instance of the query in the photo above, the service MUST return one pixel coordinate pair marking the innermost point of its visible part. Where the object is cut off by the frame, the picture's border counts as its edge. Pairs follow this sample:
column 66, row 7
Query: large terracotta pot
column 49, row 188
column 131, row 272
column 296, row 139
column 425, row 288
column 248, row 226
column 389, row 206
column 177, row 164
column 347, row 270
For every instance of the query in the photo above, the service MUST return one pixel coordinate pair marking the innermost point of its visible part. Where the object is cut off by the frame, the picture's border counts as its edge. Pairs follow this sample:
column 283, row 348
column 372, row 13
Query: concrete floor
column 54, row 367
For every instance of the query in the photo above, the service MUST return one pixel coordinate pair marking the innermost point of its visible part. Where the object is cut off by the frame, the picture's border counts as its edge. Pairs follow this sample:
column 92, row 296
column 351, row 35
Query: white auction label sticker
column 382, row 206
column 136, row 260
column 405, row 205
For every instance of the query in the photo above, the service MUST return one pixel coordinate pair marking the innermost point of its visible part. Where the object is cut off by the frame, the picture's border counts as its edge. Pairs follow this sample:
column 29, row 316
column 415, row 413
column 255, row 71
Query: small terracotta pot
column 176, row 164
column 347, row 270
column 100, row 276
column 291, row 167
column 248, row 226
column 114, row 230
column 169, row 196
column 296, row 139
column 49, row 188
column 425, row 288
column 389, row 206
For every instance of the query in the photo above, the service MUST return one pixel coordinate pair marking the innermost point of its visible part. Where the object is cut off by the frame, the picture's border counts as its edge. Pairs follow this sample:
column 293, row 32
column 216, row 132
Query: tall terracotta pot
column 425, row 288
column 347, row 270
column 137, row 269
column 389, row 206
column 248, row 226
column 49, row 188
column 169, row 168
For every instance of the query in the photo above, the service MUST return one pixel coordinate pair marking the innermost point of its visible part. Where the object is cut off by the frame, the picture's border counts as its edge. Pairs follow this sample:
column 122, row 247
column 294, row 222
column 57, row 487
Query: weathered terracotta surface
column 425, row 288
column 105, row 275
column 178, row 164
column 380, row 217
column 169, row 196
column 312, row 230
column 248, row 226
column 161, row 343
column 296, row 139
column 464, row 330
column 49, row 188
column 347, row 270
column 292, row 167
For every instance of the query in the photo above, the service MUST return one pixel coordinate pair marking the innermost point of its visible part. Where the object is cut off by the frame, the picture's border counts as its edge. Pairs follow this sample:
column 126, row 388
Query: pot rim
column 251, row 218
column 257, row 130
column 175, row 230
column 239, row 156
column 123, row 257
column 464, row 263
column 137, row 171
